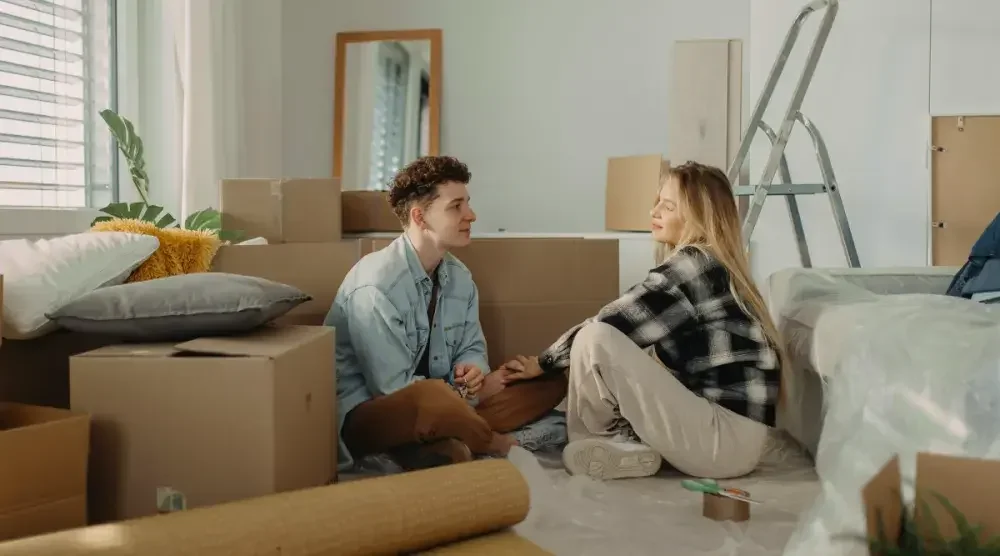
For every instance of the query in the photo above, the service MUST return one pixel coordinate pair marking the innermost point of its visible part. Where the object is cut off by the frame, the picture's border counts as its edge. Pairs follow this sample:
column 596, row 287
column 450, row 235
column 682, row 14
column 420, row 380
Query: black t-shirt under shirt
column 424, row 365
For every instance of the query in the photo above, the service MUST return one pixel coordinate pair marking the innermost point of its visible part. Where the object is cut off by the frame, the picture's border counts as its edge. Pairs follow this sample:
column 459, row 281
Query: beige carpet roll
column 388, row 515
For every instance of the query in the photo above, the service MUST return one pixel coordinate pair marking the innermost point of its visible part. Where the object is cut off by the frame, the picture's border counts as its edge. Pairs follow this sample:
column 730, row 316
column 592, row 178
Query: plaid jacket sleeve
column 650, row 310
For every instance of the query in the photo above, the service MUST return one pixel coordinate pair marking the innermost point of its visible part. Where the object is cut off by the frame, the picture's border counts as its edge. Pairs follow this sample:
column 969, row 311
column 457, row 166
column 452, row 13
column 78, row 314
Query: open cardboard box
column 969, row 485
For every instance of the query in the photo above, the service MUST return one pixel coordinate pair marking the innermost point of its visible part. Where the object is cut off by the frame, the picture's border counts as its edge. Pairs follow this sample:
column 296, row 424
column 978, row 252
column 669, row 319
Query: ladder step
column 782, row 189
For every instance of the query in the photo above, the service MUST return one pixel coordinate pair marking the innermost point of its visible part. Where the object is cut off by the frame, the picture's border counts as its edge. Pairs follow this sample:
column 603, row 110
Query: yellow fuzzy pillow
column 180, row 252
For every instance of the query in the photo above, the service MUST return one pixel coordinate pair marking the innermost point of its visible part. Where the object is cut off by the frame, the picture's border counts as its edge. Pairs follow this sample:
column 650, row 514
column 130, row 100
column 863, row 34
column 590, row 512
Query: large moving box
column 43, row 470
column 368, row 211
column 633, row 183
column 207, row 421
column 282, row 211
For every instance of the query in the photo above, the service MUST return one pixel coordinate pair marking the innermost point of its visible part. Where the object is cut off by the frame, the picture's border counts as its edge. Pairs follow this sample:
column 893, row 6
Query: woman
column 705, row 403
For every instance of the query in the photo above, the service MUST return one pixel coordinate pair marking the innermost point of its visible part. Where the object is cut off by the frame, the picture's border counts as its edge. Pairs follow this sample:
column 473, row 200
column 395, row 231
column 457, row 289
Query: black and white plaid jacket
column 687, row 311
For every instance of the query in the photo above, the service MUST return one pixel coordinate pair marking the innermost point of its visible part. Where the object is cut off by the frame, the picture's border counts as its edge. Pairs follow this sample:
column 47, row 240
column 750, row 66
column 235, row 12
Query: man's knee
column 431, row 391
column 435, row 401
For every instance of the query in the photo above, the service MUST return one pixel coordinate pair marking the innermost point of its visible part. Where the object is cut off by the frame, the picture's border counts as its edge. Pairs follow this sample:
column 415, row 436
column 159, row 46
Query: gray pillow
column 180, row 307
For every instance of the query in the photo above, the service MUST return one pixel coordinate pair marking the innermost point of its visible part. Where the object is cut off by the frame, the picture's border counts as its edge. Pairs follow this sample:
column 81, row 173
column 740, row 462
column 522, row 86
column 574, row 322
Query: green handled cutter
column 710, row 486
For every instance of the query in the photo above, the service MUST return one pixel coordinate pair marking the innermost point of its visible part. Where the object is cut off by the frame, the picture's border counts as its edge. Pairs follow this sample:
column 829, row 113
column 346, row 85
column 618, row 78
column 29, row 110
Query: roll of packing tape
column 721, row 508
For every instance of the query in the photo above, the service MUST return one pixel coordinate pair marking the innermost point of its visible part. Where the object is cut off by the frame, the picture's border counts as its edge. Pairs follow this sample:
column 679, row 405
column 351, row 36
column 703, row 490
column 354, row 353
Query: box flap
column 17, row 415
column 269, row 341
column 968, row 484
column 131, row 350
column 882, row 498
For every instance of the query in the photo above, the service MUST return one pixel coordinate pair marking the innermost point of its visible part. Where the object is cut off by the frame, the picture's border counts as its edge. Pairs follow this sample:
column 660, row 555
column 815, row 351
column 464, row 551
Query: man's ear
column 417, row 216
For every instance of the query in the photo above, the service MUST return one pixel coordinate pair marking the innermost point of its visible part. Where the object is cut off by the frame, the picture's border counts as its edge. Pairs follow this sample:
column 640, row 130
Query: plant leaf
column 130, row 145
column 136, row 211
column 965, row 529
column 206, row 219
column 117, row 127
column 231, row 236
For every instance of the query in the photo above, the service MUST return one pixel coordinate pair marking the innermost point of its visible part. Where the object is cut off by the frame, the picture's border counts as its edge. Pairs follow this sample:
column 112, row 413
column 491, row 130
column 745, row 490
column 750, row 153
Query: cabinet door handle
column 938, row 224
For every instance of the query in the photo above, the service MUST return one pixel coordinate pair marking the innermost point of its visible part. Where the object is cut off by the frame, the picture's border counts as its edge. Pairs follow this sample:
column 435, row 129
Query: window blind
column 56, row 75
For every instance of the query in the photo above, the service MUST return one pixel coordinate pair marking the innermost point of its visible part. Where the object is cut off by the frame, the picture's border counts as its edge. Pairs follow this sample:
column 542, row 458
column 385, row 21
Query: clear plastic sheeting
column 579, row 516
column 913, row 373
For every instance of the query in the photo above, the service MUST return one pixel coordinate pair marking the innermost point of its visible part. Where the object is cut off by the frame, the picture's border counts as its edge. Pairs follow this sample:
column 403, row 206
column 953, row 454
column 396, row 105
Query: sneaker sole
column 601, row 460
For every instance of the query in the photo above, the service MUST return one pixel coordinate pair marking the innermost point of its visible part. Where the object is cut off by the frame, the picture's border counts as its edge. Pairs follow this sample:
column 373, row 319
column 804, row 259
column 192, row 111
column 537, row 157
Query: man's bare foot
column 501, row 444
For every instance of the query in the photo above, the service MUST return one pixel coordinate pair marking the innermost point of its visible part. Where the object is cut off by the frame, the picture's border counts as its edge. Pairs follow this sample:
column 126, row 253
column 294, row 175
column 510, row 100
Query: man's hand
column 470, row 376
column 522, row 368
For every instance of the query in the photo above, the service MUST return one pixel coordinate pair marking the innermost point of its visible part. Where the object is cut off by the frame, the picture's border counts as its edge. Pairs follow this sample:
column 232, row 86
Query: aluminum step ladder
column 776, row 159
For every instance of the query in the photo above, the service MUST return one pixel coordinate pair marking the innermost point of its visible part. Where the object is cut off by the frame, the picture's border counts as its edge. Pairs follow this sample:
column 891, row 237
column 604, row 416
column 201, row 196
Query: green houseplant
column 130, row 144
column 967, row 541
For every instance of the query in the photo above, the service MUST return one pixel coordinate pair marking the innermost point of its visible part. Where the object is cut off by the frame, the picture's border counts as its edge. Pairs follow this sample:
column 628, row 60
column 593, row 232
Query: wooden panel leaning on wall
column 964, row 193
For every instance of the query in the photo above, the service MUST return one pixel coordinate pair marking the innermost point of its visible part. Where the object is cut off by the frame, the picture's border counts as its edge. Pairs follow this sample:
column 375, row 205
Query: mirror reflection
column 386, row 93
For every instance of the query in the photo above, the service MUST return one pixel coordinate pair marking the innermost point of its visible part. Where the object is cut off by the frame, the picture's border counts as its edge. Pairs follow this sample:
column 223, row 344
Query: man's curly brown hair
column 418, row 182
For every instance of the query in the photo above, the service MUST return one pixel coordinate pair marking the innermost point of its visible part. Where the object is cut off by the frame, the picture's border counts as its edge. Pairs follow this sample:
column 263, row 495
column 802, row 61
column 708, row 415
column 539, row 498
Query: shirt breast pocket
column 453, row 334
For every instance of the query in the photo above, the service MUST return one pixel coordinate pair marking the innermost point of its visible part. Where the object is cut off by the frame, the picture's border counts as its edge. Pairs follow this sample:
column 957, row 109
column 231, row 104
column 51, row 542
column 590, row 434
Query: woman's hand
column 522, row 368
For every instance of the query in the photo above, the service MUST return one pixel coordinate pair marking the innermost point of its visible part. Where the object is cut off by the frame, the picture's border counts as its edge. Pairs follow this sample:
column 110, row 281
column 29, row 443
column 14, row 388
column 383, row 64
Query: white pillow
column 40, row 276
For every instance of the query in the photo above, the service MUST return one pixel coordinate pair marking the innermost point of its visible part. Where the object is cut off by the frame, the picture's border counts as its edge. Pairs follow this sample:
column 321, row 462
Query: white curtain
column 204, row 36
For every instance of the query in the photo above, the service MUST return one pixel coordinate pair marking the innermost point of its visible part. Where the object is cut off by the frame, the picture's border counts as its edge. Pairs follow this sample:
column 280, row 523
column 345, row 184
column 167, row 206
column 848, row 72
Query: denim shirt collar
column 420, row 275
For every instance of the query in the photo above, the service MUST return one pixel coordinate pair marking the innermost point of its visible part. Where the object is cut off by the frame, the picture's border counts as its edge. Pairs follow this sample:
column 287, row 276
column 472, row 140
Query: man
column 411, row 356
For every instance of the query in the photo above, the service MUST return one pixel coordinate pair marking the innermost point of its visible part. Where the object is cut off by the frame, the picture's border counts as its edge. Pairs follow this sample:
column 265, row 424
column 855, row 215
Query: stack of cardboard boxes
column 229, row 418
column 301, row 221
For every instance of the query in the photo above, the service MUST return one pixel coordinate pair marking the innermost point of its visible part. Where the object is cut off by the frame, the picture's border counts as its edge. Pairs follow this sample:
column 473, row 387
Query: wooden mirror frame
column 339, row 86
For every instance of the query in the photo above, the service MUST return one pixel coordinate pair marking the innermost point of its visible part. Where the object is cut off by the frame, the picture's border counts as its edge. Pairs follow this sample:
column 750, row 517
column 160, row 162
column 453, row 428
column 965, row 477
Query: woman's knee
column 596, row 333
column 596, row 340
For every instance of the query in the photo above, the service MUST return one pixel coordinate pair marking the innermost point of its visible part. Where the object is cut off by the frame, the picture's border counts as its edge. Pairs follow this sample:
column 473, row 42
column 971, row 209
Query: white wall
column 536, row 94
column 965, row 75
column 262, row 88
column 870, row 100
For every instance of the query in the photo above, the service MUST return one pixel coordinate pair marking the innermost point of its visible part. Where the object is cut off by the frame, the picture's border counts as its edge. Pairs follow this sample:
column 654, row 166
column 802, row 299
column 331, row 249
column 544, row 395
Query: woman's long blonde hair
column 712, row 222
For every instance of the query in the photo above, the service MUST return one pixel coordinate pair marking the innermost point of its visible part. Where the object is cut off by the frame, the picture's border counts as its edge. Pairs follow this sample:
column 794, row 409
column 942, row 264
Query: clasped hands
column 470, row 379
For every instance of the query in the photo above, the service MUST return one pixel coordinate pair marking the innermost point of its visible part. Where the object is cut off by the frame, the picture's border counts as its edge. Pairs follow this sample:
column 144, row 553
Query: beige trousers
column 695, row 436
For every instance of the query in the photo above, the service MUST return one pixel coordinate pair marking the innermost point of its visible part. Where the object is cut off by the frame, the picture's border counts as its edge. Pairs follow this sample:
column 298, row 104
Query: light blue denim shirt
column 382, row 329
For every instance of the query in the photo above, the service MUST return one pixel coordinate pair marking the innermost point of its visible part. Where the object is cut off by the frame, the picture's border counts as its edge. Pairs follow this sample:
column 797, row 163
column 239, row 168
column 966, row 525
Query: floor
column 579, row 516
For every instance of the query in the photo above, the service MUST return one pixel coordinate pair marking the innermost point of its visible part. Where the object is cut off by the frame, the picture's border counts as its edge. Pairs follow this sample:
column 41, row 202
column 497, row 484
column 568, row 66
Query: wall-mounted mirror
column 387, row 108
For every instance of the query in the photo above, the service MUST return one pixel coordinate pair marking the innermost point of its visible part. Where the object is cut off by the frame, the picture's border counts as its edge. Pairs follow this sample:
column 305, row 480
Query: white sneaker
column 610, row 458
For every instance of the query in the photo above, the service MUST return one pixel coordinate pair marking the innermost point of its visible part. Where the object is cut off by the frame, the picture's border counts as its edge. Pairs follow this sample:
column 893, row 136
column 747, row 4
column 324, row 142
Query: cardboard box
column 315, row 268
column 43, row 470
column 525, row 299
column 368, row 211
column 283, row 211
column 213, row 419
column 633, row 183
column 968, row 484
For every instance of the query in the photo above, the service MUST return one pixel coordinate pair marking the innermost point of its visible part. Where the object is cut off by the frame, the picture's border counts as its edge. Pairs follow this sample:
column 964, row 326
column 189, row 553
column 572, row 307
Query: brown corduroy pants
column 430, row 410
